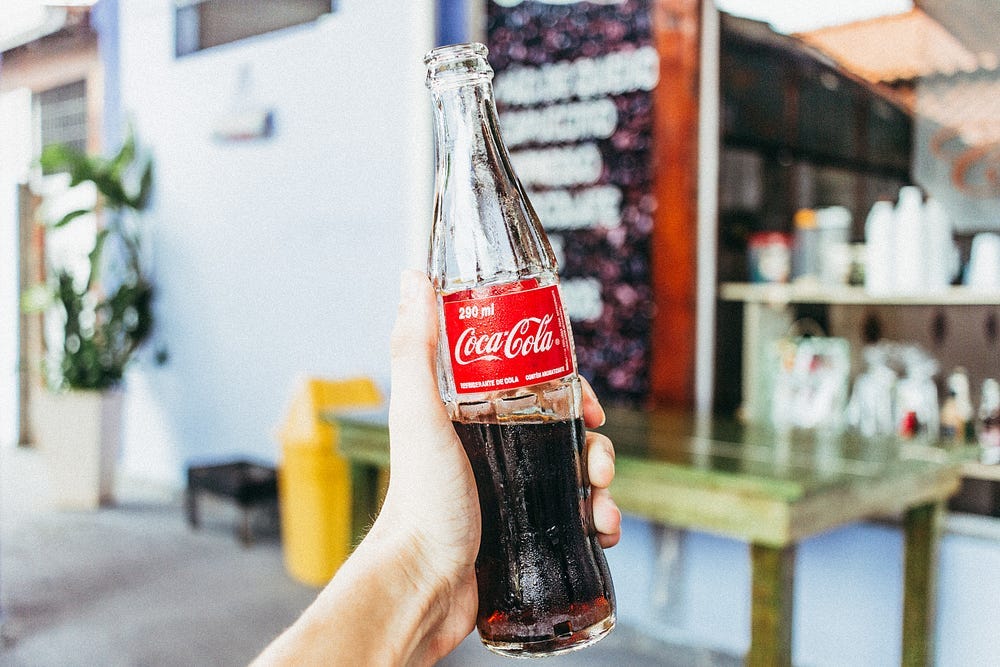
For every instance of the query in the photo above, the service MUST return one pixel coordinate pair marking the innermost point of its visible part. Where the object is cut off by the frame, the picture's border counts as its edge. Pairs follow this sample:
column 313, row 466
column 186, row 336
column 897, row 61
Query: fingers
column 414, row 398
column 593, row 413
column 601, row 470
column 600, row 460
column 607, row 518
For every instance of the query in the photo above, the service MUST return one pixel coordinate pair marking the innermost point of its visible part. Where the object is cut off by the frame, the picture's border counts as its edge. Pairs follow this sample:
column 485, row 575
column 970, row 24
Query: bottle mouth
column 457, row 65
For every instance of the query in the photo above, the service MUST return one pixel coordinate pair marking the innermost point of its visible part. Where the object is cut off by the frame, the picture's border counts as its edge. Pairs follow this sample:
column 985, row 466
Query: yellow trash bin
column 314, row 480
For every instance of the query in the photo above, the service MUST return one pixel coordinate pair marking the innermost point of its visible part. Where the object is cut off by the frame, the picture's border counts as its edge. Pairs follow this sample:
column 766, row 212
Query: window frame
column 243, row 19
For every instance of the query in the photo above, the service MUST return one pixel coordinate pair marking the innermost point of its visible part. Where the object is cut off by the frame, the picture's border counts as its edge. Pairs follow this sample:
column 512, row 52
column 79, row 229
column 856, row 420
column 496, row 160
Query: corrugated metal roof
column 973, row 22
column 941, row 78
column 899, row 47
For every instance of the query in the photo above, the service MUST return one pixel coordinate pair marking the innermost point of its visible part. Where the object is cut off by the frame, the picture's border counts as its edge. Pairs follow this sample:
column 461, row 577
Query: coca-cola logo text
column 506, row 336
column 530, row 335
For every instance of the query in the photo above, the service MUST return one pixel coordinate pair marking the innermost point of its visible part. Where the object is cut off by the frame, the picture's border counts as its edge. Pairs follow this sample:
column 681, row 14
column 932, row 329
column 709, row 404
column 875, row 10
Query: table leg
column 771, row 607
column 191, row 505
column 246, row 527
column 922, row 526
column 364, row 500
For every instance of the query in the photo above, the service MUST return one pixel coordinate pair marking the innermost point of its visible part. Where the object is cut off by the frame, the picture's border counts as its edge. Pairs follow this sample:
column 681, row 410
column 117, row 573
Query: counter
column 770, row 490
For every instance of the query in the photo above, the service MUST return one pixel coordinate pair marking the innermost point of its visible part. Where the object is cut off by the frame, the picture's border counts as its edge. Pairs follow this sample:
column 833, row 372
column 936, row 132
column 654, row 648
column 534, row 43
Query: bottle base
column 549, row 646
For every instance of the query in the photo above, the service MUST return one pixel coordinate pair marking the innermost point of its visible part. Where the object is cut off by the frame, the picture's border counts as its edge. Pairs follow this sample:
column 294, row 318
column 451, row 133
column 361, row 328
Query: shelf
column 984, row 471
column 779, row 294
column 967, row 455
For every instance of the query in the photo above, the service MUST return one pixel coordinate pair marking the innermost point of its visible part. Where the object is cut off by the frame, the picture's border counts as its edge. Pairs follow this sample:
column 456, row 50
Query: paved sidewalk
column 132, row 585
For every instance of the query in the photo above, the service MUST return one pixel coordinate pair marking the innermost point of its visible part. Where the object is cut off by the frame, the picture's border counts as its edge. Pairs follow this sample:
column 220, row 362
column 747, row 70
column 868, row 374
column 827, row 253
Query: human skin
column 407, row 595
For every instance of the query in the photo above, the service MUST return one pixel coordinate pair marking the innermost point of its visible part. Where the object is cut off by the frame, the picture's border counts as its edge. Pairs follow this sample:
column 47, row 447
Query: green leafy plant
column 109, row 314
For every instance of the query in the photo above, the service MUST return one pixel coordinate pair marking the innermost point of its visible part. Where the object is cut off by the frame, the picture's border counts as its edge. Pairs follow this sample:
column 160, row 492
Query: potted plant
column 105, row 313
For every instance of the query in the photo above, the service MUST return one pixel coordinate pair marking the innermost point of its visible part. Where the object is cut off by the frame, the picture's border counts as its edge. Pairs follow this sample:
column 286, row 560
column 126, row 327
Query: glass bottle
column 508, row 377
column 988, row 426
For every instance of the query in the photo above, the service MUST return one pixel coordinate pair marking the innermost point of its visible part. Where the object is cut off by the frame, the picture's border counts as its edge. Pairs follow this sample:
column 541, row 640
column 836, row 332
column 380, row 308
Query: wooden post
column 921, row 533
column 30, row 347
column 771, row 606
column 676, row 29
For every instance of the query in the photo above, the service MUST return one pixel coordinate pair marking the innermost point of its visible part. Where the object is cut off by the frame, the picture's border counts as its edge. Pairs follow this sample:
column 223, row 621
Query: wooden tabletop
column 746, row 482
column 763, row 486
column 751, row 483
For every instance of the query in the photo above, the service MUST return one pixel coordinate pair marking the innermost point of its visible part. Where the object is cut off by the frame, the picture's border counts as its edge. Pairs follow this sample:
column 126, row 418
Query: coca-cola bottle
column 508, row 376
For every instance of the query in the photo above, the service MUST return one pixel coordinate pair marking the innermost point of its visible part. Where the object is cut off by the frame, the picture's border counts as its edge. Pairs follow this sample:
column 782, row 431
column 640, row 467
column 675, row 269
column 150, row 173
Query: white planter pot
column 79, row 437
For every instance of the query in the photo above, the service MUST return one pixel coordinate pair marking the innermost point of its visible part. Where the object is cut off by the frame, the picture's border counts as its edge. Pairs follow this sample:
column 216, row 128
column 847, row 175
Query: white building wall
column 273, row 259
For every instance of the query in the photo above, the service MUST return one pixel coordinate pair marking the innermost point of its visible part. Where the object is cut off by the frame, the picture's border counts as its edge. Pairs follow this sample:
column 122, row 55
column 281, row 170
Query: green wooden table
column 768, row 489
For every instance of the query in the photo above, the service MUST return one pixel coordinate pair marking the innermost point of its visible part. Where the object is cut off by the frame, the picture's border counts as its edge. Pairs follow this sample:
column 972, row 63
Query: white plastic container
column 834, row 223
column 942, row 254
column 983, row 271
column 880, row 250
column 910, row 242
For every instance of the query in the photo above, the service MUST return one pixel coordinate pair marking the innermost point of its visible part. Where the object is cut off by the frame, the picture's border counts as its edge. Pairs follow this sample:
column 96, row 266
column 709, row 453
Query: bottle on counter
column 988, row 422
column 870, row 409
column 917, row 408
column 770, row 257
column 957, row 410
column 805, row 246
column 834, row 223
column 942, row 253
column 910, row 242
column 508, row 378
column 880, row 249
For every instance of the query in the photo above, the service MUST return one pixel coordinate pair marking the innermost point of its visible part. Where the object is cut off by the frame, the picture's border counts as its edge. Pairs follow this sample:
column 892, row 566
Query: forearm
column 376, row 611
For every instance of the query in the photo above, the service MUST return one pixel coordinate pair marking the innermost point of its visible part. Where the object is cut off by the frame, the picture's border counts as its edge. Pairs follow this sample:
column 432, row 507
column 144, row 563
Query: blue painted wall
column 848, row 596
column 452, row 21
column 104, row 19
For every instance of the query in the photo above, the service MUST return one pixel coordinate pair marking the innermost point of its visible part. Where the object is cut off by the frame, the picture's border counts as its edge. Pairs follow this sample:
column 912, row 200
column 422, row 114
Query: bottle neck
column 484, row 230
column 457, row 65
column 460, row 80
column 466, row 131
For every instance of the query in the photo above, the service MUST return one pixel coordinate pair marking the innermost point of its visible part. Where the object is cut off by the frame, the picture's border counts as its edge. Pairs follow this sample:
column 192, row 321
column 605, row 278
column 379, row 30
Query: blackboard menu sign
column 574, row 84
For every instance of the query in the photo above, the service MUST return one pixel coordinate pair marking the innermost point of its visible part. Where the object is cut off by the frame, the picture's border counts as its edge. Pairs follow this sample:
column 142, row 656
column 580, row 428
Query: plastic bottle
column 880, row 249
column 916, row 395
column 956, row 411
column 942, row 254
column 834, row 224
column 870, row 410
column 910, row 242
column 508, row 377
column 988, row 422
column 805, row 249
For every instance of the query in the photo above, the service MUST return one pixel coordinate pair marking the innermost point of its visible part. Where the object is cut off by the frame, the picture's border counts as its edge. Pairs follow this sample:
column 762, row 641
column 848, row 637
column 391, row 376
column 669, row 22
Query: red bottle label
column 507, row 336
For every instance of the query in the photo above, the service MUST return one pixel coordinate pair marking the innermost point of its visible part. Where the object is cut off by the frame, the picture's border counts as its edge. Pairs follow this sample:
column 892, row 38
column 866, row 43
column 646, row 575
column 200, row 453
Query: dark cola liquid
column 543, row 580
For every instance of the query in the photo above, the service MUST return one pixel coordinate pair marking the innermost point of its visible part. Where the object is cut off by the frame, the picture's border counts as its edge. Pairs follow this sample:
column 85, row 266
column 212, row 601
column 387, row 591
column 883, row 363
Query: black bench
column 245, row 483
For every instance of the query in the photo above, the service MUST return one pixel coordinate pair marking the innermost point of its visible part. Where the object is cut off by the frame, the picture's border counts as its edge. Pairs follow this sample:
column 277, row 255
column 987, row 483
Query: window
column 202, row 24
column 63, row 115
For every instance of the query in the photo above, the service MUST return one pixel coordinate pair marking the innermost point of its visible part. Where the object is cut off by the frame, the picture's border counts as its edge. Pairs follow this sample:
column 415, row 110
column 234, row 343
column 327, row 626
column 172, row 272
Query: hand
column 432, row 492
column 601, row 470
column 408, row 593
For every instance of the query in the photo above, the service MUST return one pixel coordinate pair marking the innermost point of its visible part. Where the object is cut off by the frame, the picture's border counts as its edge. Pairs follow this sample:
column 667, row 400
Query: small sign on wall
column 246, row 118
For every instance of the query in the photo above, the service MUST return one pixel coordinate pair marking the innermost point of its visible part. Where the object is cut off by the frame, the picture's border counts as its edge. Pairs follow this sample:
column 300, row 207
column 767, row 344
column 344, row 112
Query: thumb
column 414, row 399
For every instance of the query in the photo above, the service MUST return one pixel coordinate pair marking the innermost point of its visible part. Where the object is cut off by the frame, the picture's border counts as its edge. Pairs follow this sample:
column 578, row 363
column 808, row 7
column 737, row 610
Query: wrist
column 412, row 595
column 378, row 610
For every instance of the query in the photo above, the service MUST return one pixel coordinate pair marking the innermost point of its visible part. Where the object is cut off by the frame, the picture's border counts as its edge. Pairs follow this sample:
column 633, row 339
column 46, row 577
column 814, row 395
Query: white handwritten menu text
column 574, row 84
